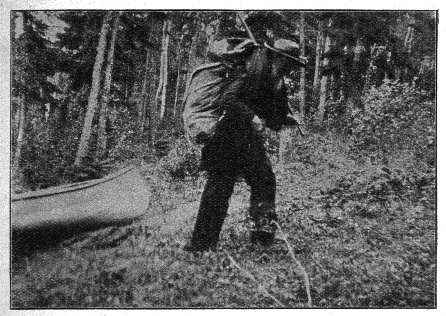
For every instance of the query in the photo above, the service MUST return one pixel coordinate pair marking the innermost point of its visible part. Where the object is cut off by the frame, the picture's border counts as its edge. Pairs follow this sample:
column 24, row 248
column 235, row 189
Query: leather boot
column 264, row 231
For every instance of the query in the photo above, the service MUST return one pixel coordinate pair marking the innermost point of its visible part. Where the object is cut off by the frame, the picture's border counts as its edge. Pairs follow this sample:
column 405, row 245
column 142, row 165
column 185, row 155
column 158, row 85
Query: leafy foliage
column 182, row 161
column 395, row 116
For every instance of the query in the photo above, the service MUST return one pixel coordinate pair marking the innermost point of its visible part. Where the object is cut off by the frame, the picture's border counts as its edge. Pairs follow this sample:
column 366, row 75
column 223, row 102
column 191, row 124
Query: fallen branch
column 401, row 203
column 344, row 195
column 302, row 271
column 261, row 287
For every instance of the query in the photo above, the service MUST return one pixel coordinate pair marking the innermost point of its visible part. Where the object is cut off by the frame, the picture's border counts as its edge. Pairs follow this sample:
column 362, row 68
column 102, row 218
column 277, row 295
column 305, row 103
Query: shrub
column 395, row 116
column 182, row 161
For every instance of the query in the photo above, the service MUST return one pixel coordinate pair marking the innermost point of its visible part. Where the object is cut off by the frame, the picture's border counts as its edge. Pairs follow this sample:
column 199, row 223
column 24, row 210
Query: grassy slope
column 365, row 235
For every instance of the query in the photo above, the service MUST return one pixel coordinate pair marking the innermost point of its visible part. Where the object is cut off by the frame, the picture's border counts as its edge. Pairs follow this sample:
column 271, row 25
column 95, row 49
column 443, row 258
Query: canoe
column 118, row 198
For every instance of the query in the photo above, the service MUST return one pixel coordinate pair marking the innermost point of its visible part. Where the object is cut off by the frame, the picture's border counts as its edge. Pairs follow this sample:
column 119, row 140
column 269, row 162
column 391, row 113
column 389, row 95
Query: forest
column 92, row 91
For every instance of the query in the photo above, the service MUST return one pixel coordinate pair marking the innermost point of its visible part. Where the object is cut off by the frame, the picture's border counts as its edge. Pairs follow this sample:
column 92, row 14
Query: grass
column 364, row 232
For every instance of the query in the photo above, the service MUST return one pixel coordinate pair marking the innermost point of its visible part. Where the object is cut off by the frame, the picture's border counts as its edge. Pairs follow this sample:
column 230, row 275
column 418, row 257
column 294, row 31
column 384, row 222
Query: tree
column 302, row 69
column 33, row 62
column 102, row 133
column 79, row 42
column 319, row 44
column 151, row 50
column 147, row 87
column 144, row 92
column 94, row 92
column 21, row 116
column 325, row 77
column 192, row 54
column 163, row 73
column 178, row 81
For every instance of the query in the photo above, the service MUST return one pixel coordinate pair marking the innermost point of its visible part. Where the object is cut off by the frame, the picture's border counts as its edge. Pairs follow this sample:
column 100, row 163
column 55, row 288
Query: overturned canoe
column 119, row 197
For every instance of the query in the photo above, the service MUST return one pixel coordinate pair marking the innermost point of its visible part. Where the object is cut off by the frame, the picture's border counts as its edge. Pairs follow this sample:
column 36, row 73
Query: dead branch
column 261, row 287
column 302, row 271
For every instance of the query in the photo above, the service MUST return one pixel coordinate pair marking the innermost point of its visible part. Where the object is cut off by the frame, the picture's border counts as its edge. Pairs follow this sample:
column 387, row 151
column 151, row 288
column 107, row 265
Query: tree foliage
column 367, row 49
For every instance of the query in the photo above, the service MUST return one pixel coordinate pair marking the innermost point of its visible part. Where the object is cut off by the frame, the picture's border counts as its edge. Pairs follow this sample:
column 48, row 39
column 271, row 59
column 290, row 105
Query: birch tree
column 162, row 83
column 325, row 77
column 319, row 44
column 94, row 92
column 178, row 81
column 21, row 117
column 302, row 106
column 165, row 69
column 102, row 133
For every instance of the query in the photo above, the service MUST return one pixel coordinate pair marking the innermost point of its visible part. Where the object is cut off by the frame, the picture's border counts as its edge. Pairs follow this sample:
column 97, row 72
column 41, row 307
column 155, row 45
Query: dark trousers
column 235, row 150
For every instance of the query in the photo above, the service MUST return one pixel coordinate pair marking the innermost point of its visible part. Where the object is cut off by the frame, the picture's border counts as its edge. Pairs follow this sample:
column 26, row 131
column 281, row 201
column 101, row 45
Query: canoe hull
column 117, row 198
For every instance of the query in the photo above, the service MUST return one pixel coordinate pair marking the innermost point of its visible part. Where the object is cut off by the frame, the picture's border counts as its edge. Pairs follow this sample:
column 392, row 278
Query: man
column 226, row 105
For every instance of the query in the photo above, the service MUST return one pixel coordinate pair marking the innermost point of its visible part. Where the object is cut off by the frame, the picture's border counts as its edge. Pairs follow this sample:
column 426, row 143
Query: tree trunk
column 370, row 68
column 408, row 42
column 126, row 94
column 165, row 71
column 191, row 62
column 146, row 109
column 177, row 85
column 324, row 80
column 302, row 106
column 319, row 44
column 142, row 102
column 21, row 117
column 408, row 39
column 161, row 71
column 356, row 79
column 103, row 115
column 21, row 132
column 94, row 93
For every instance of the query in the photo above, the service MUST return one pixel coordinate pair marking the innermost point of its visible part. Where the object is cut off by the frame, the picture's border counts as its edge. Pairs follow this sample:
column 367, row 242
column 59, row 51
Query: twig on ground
column 401, row 203
column 299, row 265
column 261, row 287
column 344, row 195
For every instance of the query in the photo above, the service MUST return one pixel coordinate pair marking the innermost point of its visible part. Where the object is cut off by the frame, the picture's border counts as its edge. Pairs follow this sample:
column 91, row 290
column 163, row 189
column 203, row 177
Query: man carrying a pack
column 226, row 106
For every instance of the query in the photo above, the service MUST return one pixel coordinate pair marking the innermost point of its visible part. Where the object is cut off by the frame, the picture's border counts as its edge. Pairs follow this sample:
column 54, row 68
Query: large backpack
column 213, row 87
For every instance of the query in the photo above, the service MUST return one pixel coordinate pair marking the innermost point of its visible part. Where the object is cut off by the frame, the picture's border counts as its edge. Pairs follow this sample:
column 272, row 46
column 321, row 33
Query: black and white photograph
column 239, row 159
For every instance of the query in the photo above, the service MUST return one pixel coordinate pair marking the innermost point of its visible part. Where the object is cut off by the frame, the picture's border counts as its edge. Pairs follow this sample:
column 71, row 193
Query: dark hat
column 288, row 49
column 267, row 20
column 264, row 23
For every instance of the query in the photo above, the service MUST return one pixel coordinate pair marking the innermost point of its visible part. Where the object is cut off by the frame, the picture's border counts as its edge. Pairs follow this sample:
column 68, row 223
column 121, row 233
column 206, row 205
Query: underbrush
column 364, row 231
column 357, row 207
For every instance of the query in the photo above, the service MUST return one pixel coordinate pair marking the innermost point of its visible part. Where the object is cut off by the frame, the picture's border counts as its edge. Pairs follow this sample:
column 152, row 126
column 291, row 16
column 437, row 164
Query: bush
column 182, row 161
column 395, row 116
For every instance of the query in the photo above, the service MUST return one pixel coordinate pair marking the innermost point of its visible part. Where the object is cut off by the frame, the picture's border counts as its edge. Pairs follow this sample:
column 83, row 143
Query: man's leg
column 212, row 212
column 260, row 177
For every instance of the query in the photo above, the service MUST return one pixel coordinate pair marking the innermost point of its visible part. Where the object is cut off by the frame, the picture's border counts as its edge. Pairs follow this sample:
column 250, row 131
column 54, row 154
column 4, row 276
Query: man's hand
column 258, row 124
